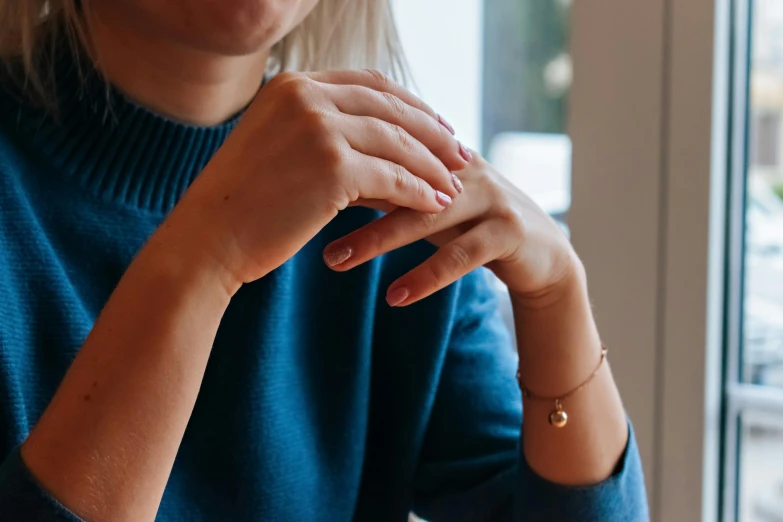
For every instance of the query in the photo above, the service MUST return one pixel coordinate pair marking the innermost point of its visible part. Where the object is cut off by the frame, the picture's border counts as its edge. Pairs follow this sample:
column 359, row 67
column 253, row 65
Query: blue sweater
column 319, row 402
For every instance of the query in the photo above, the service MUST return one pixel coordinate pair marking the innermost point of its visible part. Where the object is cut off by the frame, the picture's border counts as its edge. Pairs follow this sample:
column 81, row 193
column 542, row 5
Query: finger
column 363, row 101
column 399, row 228
column 456, row 259
column 375, row 204
column 383, row 140
column 377, row 178
column 375, row 80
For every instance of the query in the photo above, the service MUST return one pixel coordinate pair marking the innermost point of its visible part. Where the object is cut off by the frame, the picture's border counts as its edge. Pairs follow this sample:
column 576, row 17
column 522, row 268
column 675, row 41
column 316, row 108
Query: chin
column 242, row 26
column 222, row 26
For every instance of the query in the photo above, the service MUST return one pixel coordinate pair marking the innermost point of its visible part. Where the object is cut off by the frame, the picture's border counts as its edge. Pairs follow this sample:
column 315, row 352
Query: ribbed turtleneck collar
column 112, row 147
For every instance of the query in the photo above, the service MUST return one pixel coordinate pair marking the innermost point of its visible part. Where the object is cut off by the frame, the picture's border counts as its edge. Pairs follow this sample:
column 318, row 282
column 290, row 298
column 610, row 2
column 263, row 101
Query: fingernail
column 457, row 182
column 465, row 153
column 337, row 255
column 446, row 124
column 397, row 295
column 443, row 199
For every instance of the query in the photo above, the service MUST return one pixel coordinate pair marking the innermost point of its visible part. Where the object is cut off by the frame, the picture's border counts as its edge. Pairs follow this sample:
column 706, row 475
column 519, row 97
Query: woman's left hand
column 490, row 223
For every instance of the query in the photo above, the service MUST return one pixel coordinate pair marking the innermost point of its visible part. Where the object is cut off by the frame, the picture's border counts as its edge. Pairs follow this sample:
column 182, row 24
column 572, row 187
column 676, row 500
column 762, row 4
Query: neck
column 183, row 83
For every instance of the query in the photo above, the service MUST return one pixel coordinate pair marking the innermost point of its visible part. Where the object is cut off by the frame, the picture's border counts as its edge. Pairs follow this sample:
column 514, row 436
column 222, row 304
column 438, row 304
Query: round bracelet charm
column 558, row 418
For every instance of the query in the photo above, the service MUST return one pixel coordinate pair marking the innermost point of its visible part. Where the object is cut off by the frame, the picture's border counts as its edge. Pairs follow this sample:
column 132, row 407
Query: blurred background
column 678, row 110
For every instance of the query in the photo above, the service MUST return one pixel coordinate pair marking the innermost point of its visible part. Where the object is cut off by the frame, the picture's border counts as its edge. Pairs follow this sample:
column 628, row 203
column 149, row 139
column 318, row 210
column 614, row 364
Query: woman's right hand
column 310, row 145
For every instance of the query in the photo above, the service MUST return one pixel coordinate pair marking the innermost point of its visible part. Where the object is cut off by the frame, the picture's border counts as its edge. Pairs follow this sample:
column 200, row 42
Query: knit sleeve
column 23, row 498
column 472, row 466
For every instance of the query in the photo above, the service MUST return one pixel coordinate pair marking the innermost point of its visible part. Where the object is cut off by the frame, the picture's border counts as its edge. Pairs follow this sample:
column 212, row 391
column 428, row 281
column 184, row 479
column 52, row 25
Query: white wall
column 443, row 42
column 648, row 130
column 616, row 118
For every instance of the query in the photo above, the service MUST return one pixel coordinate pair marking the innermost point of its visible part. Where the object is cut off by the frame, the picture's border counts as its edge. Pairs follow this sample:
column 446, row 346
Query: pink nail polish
column 457, row 183
column 442, row 199
column 397, row 295
column 337, row 256
column 446, row 124
column 465, row 153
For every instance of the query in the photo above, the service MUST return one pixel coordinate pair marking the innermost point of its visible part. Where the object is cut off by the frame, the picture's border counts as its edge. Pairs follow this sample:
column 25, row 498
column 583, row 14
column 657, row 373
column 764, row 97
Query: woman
column 167, row 263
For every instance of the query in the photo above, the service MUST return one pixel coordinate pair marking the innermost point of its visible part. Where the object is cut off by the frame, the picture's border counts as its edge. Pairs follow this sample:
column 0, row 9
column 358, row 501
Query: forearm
column 559, row 348
column 106, row 443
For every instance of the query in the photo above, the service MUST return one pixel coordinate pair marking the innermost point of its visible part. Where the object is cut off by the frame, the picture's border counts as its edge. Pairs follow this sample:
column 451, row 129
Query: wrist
column 184, row 266
column 571, row 284
column 558, row 340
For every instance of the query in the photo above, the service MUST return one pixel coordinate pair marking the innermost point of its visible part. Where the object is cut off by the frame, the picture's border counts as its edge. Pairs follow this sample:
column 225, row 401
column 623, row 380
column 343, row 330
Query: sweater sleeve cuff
column 621, row 497
column 23, row 498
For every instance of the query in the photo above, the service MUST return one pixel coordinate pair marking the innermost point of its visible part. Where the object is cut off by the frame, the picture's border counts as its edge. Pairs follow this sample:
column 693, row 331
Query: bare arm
column 470, row 465
column 559, row 348
column 121, row 411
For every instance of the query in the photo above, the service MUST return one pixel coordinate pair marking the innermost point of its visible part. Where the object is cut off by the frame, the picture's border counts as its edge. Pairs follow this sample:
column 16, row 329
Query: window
column 753, row 421
column 526, row 82
column 500, row 71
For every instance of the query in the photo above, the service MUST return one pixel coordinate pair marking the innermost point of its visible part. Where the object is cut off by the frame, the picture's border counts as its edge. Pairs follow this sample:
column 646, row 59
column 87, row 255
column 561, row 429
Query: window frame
column 739, row 397
column 735, row 242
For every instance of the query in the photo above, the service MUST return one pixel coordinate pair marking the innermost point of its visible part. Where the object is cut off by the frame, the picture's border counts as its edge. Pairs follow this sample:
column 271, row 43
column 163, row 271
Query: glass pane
column 500, row 72
column 762, row 354
column 761, row 468
column 526, row 81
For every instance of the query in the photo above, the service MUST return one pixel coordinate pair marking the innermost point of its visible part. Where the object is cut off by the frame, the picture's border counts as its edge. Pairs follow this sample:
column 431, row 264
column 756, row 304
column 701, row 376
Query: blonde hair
column 337, row 34
column 344, row 34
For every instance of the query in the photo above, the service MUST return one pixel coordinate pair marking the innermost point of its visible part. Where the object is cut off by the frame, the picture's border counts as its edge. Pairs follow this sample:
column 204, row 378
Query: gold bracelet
column 558, row 417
